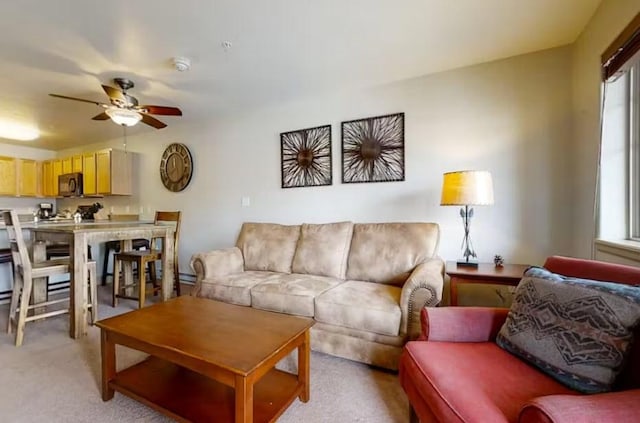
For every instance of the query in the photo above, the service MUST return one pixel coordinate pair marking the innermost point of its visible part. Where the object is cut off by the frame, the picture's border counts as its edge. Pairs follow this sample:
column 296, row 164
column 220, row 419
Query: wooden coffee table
column 210, row 361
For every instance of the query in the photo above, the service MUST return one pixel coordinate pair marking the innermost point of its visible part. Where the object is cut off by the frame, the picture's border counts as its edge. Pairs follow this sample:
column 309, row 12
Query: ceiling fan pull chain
column 124, row 128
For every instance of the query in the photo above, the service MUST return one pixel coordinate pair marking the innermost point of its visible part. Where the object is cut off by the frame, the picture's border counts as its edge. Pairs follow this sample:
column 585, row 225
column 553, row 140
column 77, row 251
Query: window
column 633, row 175
column 619, row 175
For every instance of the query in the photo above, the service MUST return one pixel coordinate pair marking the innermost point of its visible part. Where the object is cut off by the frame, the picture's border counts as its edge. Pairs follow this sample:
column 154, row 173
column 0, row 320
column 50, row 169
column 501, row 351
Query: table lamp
column 467, row 188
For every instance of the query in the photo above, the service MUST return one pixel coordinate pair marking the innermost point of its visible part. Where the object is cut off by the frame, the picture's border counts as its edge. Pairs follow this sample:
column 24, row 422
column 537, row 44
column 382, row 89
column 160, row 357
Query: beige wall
column 531, row 120
column 608, row 21
column 511, row 117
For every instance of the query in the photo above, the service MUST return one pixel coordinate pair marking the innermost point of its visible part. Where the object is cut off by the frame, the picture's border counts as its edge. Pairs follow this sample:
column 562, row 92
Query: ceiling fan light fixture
column 124, row 116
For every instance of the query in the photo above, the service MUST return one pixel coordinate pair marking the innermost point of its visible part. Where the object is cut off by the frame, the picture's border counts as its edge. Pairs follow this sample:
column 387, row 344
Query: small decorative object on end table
column 486, row 273
column 467, row 188
column 498, row 260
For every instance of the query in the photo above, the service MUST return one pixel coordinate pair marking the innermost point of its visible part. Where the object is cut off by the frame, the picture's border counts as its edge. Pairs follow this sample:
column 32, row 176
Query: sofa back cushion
column 578, row 331
column 388, row 252
column 323, row 249
column 268, row 246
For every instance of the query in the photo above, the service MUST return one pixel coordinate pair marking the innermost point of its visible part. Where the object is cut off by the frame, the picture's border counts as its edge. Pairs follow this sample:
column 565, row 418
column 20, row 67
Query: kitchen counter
column 27, row 223
column 56, row 222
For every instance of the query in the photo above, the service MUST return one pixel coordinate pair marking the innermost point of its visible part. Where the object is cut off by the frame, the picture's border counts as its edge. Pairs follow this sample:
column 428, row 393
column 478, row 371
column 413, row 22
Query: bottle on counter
column 77, row 217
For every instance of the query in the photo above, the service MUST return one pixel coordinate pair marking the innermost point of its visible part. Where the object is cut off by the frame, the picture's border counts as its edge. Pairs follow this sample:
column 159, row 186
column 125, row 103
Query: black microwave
column 70, row 184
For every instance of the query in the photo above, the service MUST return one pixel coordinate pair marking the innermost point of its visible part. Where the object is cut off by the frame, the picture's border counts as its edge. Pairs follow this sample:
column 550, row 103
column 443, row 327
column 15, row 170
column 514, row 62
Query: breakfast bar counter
column 78, row 236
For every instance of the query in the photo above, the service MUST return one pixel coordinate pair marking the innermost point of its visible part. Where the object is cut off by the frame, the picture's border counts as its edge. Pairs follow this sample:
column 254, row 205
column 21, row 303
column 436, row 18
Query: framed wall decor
column 373, row 149
column 306, row 157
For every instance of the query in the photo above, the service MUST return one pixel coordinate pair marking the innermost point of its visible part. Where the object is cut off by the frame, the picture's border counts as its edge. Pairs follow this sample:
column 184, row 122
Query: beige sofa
column 364, row 284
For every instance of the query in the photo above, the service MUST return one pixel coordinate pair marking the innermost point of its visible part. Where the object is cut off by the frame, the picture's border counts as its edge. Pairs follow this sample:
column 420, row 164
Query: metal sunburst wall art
column 306, row 157
column 373, row 149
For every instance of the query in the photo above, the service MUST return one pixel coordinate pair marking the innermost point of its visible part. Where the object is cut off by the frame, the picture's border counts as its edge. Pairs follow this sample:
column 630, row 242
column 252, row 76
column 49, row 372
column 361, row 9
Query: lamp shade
column 124, row 116
column 467, row 188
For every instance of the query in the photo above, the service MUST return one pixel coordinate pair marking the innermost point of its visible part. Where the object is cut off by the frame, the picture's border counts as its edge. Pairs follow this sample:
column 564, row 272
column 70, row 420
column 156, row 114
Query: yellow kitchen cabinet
column 7, row 176
column 113, row 172
column 67, row 165
column 76, row 163
column 28, row 178
column 47, row 179
column 89, row 174
column 57, row 171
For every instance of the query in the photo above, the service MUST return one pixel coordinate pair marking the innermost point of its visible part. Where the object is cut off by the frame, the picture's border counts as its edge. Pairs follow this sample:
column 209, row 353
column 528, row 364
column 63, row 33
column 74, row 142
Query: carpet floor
column 53, row 378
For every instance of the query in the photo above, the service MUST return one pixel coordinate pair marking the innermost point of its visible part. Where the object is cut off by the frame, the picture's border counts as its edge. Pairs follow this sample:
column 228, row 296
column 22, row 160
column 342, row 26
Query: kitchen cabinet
column 57, row 171
column 67, row 165
column 89, row 174
column 47, row 178
column 76, row 163
column 113, row 172
column 105, row 172
column 28, row 178
column 7, row 176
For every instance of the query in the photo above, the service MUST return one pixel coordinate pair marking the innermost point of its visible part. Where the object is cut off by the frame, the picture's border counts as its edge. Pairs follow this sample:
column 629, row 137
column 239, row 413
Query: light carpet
column 54, row 378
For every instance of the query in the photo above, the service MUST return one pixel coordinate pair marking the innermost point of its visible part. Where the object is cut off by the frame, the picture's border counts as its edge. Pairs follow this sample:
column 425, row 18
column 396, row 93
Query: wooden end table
column 210, row 361
column 486, row 273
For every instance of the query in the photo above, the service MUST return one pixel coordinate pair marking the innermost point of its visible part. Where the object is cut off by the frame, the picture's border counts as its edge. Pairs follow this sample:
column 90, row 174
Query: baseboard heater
column 5, row 296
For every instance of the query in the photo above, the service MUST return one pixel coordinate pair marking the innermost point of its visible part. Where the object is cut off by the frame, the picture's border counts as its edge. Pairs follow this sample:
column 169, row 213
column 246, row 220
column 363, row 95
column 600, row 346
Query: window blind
column 622, row 50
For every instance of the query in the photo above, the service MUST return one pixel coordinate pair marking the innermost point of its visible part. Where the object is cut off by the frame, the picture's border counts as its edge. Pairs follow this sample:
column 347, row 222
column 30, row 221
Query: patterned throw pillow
column 577, row 331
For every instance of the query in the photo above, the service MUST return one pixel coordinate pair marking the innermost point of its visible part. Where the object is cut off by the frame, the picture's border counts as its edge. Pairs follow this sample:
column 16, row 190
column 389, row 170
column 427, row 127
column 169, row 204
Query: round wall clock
column 176, row 167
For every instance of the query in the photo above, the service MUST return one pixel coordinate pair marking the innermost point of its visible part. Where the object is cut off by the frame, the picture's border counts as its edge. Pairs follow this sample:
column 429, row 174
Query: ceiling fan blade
column 114, row 93
column 162, row 110
column 101, row 116
column 78, row 99
column 151, row 121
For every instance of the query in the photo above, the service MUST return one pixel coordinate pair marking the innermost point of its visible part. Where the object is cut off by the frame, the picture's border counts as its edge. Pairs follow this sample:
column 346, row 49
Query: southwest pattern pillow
column 577, row 331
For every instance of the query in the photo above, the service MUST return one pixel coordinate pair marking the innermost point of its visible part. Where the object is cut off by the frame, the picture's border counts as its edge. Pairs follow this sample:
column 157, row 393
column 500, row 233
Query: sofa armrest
column 462, row 324
column 422, row 288
column 619, row 407
column 217, row 263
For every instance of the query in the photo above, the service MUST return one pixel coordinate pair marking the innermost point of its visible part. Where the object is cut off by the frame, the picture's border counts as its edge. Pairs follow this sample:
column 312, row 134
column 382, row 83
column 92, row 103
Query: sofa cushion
column 323, row 249
column 361, row 305
column 268, row 246
column 485, row 384
column 388, row 252
column 291, row 294
column 234, row 288
column 578, row 331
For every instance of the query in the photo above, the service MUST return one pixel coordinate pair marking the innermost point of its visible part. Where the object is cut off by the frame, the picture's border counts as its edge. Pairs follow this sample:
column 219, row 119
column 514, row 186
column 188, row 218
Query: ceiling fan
column 124, row 108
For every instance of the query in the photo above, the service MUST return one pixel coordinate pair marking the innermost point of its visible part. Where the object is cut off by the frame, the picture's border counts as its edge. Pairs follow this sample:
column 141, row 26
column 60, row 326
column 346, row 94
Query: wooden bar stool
column 144, row 258
column 109, row 246
column 24, row 272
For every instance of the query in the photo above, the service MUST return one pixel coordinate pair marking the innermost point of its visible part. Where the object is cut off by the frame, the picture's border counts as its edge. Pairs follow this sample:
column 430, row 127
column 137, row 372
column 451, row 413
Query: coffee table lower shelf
column 189, row 396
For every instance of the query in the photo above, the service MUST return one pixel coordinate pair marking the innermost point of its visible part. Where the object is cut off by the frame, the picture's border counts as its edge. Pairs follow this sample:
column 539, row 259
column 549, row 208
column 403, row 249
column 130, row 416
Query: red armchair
column 455, row 372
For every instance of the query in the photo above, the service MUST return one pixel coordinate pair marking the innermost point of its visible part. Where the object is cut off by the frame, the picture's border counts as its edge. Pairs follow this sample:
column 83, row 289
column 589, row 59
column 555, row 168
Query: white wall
column 532, row 120
column 511, row 117
column 609, row 20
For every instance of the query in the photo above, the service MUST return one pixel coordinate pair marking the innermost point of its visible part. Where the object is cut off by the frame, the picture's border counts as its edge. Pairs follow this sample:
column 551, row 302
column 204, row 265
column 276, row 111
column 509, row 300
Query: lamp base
column 465, row 263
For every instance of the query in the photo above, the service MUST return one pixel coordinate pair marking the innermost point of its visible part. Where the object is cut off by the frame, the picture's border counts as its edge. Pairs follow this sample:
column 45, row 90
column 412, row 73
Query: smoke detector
column 181, row 64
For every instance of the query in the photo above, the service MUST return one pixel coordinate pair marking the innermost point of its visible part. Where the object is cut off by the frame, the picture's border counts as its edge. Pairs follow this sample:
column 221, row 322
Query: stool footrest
column 45, row 315
column 127, row 297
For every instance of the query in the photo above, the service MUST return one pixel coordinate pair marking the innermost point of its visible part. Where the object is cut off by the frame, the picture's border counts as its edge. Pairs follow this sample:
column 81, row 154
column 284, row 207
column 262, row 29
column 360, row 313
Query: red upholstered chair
column 455, row 372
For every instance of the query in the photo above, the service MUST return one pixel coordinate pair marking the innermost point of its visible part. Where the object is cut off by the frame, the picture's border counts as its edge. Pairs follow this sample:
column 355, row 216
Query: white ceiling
column 281, row 49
